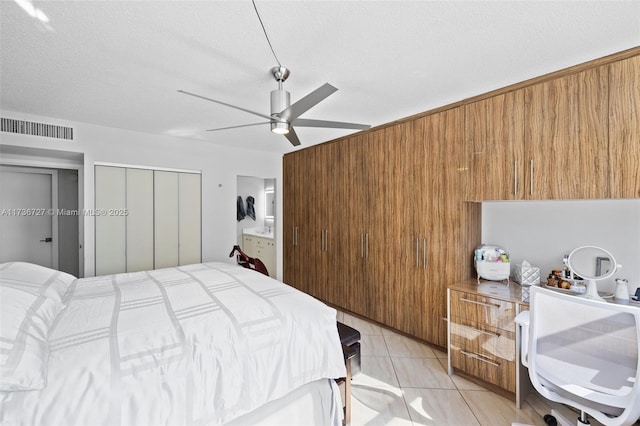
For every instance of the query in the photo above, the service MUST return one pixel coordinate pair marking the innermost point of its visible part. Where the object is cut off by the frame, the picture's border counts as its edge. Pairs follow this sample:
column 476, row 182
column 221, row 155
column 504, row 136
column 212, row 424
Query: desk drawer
column 490, row 342
column 484, row 310
column 496, row 370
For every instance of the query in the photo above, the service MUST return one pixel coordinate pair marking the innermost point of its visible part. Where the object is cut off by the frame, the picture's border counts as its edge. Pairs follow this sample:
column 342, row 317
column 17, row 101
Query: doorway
column 256, row 219
column 39, row 220
column 28, row 202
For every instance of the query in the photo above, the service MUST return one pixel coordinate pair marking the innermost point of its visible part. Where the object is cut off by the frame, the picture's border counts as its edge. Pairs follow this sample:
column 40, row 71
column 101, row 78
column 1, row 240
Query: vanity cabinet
column 624, row 128
column 482, row 335
column 262, row 248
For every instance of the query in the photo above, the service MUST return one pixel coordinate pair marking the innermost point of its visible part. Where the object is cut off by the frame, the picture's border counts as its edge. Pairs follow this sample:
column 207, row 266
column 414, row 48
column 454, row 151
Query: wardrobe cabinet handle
column 531, row 177
column 424, row 253
column 367, row 245
column 488, row 305
column 479, row 358
column 326, row 240
column 417, row 252
column 515, row 178
column 362, row 246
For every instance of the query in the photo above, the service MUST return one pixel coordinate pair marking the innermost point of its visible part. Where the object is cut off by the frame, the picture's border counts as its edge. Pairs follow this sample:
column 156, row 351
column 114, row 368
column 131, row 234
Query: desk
column 484, row 345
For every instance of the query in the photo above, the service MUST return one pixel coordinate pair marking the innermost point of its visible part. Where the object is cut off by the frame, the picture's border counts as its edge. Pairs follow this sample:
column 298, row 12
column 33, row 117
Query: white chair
column 583, row 353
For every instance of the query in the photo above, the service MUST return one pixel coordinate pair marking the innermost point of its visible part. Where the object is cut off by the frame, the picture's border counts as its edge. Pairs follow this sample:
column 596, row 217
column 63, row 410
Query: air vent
column 36, row 129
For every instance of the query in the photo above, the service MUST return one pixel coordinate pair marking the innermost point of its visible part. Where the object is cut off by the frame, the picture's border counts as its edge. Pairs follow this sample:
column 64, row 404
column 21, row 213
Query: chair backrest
column 584, row 353
column 249, row 262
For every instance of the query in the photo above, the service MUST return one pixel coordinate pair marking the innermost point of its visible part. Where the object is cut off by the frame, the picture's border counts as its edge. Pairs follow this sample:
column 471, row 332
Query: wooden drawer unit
column 482, row 338
column 484, row 310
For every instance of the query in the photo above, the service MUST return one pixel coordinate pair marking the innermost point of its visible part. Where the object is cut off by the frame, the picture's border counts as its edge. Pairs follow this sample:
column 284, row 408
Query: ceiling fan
column 284, row 115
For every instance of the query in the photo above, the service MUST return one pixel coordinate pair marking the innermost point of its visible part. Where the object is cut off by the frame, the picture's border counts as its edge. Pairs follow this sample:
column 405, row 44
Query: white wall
column 219, row 165
column 541, row 232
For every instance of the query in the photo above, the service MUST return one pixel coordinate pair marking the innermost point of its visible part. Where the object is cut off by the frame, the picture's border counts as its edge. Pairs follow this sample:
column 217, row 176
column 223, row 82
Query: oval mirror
column 592, row 263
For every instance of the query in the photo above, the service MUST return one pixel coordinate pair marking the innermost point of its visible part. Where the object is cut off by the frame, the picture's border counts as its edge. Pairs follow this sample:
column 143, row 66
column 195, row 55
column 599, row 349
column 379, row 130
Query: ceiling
column 120, row 63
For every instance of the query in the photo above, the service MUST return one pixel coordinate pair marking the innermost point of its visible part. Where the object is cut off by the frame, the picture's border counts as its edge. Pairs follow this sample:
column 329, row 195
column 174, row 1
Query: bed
column 203, row 344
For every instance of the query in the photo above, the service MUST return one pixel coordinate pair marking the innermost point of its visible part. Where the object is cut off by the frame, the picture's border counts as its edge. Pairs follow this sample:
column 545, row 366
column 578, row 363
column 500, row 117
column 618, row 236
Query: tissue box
column 527, row 275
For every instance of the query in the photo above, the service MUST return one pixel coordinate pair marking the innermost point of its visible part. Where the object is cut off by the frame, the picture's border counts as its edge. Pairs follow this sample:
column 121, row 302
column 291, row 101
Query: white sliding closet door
column 189, row 211
column 139, row 220
column 166, row 227
column 110, row 183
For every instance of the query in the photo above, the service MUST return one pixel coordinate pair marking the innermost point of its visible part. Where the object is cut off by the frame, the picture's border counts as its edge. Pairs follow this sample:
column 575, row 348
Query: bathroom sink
column 259, row 232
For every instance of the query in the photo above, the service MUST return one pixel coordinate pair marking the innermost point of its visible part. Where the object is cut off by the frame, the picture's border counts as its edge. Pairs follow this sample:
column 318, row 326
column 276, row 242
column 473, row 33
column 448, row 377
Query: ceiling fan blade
column 293, row 137
column 235, row 127
column 226, row 104
column 304, row 122
column 301, row 106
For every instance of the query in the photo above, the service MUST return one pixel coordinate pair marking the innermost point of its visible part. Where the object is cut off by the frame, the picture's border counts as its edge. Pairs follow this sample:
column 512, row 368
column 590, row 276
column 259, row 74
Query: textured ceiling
column 120, row 63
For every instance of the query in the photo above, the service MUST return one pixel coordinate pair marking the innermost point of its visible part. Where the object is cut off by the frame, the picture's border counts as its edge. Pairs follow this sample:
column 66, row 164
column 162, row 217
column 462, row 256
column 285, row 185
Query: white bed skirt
column 314, row 404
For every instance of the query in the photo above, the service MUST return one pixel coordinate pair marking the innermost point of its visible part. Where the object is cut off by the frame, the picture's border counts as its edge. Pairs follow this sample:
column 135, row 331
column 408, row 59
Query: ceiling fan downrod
column 280, row 100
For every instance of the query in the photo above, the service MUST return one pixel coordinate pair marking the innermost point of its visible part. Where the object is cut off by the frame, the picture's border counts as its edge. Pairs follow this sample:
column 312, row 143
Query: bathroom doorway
column 256, row 219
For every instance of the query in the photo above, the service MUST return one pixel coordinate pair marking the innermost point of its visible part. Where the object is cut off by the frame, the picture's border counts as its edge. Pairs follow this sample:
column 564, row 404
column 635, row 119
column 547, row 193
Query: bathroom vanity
column 260, row 243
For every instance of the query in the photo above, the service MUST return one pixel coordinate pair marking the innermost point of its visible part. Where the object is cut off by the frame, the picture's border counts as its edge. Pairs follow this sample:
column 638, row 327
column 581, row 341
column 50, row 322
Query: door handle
column 515, row 178
column 531, row 177
column 47, row 240
column 424, row 253
column 367, row 245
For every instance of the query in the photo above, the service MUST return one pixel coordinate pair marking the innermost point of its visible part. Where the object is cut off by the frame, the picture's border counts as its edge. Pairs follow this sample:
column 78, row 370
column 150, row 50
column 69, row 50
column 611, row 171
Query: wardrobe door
column 166, row 227
column 139, row 219
column 189, row 218
column 624, row 128
column 111, row 229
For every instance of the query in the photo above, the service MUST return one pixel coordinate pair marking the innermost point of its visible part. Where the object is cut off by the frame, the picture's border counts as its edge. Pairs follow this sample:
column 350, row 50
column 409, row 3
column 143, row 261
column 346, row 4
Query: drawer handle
column 489, row 333
column 479, row 358
column 488, row 305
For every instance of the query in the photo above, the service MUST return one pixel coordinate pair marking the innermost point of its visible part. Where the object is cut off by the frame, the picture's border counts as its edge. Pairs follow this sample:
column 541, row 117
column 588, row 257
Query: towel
column 251, row 211
column 240, row 214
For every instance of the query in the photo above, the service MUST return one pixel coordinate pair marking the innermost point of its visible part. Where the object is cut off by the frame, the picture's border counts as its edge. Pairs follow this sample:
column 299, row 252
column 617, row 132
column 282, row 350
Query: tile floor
column 404, row 382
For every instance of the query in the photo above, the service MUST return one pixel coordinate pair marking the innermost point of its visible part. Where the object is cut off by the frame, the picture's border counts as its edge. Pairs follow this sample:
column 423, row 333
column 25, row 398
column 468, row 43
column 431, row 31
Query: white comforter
column 200, row 344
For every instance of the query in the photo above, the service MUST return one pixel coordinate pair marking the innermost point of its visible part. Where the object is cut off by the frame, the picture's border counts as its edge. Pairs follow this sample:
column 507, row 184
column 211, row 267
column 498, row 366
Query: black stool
column 350, row 339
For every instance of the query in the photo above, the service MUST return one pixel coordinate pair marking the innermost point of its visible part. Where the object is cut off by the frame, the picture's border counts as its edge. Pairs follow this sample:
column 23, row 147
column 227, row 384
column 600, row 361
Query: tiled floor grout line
column 469, row 396
column 395, row 372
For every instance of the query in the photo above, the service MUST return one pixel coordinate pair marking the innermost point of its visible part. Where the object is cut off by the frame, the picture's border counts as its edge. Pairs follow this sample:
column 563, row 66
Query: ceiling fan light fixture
column 280, row 127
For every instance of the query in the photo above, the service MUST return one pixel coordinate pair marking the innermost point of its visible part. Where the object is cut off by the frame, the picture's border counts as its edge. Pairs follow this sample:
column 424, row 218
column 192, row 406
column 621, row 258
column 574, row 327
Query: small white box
column 527, row 275
column 493, row 271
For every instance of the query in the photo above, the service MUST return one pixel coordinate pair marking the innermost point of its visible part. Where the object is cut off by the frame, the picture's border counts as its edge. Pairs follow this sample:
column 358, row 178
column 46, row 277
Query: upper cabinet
column 565, row 135
column 494, row 140
column 624, row 128
column 576, row 136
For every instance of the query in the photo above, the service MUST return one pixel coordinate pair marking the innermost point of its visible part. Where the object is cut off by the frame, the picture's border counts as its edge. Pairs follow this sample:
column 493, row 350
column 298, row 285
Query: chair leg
column 347, row 395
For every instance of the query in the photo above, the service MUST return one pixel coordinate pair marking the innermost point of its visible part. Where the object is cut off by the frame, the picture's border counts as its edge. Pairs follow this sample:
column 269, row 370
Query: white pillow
column 48, row 282
column 31, row 298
